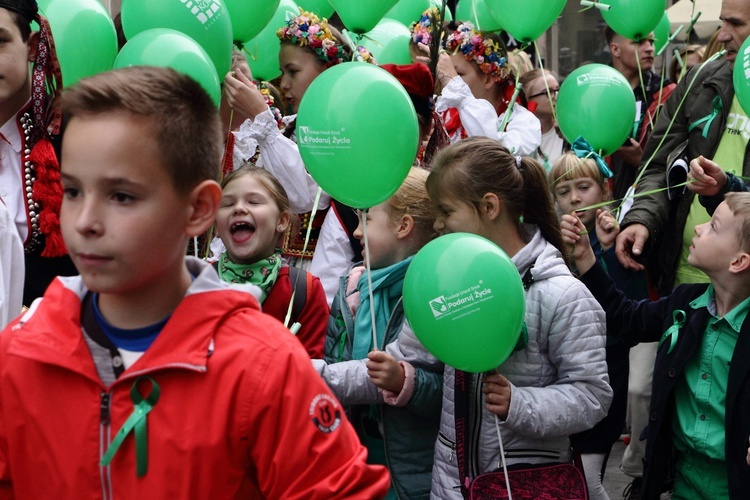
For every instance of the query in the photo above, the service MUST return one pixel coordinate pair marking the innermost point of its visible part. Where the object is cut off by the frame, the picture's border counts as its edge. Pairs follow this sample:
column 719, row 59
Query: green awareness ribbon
column 136, row 423
column 673, row 331
column 708, row 119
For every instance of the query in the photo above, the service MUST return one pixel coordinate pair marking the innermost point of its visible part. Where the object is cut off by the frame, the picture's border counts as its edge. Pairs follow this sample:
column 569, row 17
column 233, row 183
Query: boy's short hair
column 23, row 12
column 569, row 167
column 739, row 204
column 184, row 120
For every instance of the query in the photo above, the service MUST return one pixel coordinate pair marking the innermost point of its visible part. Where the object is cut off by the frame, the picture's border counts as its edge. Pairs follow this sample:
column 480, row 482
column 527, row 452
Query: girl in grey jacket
column 555, row 384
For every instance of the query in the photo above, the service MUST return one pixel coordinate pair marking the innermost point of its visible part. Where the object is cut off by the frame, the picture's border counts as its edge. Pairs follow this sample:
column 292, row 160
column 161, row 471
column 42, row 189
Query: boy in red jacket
column 146, row 376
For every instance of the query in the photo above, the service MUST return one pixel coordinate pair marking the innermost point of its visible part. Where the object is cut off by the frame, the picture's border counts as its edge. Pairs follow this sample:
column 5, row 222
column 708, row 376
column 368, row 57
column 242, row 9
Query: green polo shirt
column 700, row 395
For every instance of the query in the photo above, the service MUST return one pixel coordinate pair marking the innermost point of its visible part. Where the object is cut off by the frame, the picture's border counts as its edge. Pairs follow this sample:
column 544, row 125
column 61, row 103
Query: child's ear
column 33, row 44
column 606, row 193
column 490, row 206
column 204, row 202
column 284, row 220
column 406, row 226
column 740, row 263
column 489, row 81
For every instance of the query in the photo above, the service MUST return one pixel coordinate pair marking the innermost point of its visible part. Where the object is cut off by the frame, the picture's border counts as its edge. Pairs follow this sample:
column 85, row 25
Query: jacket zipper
column 104, row 435
column 450, row 444
column 475, row 423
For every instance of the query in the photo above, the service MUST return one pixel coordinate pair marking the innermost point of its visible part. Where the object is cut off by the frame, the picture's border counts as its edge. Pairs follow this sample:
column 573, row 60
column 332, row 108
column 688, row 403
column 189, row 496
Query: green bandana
column 262, row 273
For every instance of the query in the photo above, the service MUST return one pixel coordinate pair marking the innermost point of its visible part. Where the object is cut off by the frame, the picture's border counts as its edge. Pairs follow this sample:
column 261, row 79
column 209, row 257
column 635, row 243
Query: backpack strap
column 301, row 284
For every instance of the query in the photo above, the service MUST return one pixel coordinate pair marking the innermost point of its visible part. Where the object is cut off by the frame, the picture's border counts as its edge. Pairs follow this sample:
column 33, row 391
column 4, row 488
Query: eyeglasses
column 544, row 93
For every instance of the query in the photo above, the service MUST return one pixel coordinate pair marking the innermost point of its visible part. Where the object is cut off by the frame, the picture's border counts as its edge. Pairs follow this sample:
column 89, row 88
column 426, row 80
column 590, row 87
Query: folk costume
column 29, row 164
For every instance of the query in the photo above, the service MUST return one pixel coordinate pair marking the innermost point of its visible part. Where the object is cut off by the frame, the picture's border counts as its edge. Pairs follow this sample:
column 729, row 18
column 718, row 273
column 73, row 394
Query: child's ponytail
column 539, row 208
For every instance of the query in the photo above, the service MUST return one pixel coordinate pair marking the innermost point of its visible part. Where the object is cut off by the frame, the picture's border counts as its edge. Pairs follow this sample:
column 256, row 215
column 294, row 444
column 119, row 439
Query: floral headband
column 308, row 30
column 421, row 30
column 484, row 51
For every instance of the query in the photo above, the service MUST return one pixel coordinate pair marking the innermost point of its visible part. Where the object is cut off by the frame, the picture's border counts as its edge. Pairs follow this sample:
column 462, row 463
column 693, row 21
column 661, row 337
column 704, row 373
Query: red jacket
column 242, row 413
column 313, row 317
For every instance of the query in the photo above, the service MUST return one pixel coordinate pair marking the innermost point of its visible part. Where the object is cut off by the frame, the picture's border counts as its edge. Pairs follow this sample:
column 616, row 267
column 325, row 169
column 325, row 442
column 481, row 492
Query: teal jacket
column 409, row 431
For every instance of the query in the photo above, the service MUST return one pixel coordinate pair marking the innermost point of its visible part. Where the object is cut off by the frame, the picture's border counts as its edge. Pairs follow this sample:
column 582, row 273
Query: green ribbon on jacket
column 136, row 423
column 708, row 119
column 673, row 331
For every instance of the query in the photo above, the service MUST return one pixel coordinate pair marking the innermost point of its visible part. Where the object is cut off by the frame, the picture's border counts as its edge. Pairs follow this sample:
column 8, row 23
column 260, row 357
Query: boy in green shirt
column 699, row 419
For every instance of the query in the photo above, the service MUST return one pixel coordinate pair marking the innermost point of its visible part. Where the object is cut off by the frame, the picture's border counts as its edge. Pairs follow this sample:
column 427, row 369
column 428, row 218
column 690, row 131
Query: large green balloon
column 321, row 8
column 360, row 16
column 249, row 17
column 464, row 299
column 408, row 11
column 661, row 33
column 357, row 133
column 633, row 19
column 741, row 76
column 170, row 48
column 597, row 103
column 262, row 52
column 389, row 42
column 477, row 13
column 85, row 37
column 525, row 20
column 205, row 21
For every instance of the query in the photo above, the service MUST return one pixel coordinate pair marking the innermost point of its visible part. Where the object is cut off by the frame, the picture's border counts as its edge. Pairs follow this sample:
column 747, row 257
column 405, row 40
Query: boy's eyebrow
column 112, row 182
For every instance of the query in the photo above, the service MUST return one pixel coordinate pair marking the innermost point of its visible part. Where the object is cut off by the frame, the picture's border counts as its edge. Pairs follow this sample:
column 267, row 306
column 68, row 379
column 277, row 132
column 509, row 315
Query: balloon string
column 296, row 326
column 363, row 215
column 502, row 453
column 546, row 85
column 642, row 170
column 506, row 116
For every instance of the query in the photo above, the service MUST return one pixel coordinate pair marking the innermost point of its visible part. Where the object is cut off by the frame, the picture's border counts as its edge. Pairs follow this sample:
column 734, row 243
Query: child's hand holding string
column 607, row 229
column 384, row 371
column 243, row 95
column 706, row 177
column 574, row 233
column 496, row 389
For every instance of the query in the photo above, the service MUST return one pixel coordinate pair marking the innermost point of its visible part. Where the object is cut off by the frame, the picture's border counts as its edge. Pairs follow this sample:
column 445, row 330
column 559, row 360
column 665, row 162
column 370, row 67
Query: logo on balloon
column 465, row 301
column 203, row 10
column 597, row 79
column 323, row 139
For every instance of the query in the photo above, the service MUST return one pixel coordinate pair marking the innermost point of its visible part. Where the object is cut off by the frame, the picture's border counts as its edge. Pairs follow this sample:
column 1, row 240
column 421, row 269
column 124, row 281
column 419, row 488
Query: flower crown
column 484, row 51
column 421, row 31
column 308, row 30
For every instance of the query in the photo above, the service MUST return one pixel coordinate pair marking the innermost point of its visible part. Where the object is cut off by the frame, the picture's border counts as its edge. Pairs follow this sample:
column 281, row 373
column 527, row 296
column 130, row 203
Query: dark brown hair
column 473, row 167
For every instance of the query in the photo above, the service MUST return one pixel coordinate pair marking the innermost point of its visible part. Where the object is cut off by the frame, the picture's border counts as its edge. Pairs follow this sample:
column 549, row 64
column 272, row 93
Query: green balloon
column 321, row 8
column 469, row 314
column 408, row 11
column 170, row 48
column 357, row 133
column 249, row 17
column 477, row 13
column 741, row 76
column 525, row 20
column 262, row 52
column 662, row 33
column 85, row 37
column 205, row 21
column 361, row 16
column 596, row 102
column 633, row 19
column 389, row 42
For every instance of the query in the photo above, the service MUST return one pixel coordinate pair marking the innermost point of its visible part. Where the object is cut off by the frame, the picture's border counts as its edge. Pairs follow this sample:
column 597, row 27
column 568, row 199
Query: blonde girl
column 253, row 215
column 402, row 432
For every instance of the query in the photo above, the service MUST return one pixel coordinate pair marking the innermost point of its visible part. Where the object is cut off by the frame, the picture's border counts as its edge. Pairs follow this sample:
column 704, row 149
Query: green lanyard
column 136, row 423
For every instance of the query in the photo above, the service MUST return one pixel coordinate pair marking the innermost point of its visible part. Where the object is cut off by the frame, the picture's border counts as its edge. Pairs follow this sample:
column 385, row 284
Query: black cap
column 27, row 8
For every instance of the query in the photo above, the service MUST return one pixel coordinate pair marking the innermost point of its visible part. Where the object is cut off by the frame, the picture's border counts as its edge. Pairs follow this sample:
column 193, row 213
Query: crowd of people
column 281, row 363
